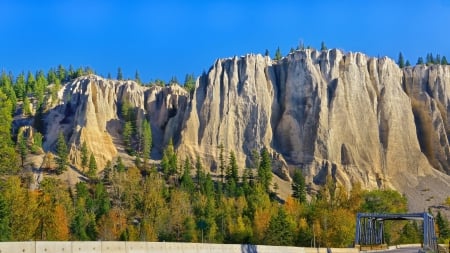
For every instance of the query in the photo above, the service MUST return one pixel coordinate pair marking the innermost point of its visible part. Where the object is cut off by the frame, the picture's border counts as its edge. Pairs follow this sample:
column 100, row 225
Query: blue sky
column 162, row 39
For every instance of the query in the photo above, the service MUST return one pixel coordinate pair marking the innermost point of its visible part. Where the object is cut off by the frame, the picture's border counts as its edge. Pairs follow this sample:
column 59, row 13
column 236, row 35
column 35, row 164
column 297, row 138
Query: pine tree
column 84, row 155
column 323, row 47
column 407, row 64
column 265, row 170
column 419, row 61
column 92, row 172
column 401, row 60
column 443, row 226
column 61, row 73
column 20, row 87
column 189, row 83
column 146, row 141
column 299, row 186
column 278, row 54
column 444, row 60
column 31, row 83
column 9, row 162
column 267, row 53
column 62, row 154
column 137, row 77
column 280, row 231
column 119, row 73
column 186, row 180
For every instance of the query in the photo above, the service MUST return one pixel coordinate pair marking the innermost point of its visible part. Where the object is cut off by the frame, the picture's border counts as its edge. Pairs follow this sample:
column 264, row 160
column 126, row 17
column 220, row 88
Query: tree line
column 177, row 199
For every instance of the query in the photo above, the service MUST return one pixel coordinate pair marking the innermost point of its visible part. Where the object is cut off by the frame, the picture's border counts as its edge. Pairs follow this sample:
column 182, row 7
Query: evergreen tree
column 199, row 174
column 278, row 54
column 430, row 59
column 299, row 186
column 70, row 73
column 84, row 155
column 267, row 53
column 265, row 170
column 120, row 167
column 444, row 60
column 401, row 60
column 26, row 107
column 173, row 80
column 119, row 73
column 323, row 47
column 127, row 134
column 92, row 172
column 280, row 231
column 62, row 154
column 443, row 226
column 20, row 87
column 9, row 162
column 31, row 83
column 221, row 163
column 22, row 146
column 407, row 64
column 169, row 163
column 137, row 77
column 61, row 73
column 189, row 83
column 186, row 180
column 146, row 141
column 437, row 60
column 419, row 61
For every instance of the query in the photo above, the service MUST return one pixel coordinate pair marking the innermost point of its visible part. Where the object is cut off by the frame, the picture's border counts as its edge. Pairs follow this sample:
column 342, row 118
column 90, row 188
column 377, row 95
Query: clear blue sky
column 162, row 39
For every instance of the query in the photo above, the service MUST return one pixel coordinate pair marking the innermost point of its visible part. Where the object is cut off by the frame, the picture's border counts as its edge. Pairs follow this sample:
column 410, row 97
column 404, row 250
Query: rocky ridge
column 356, row 118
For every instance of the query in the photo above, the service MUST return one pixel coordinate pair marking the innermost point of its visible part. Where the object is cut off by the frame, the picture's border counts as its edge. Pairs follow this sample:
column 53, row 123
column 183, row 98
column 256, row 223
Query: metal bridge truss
column 370, row 228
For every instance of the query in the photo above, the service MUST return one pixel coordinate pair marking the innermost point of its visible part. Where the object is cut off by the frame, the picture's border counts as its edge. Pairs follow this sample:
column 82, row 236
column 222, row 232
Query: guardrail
column 156, row 247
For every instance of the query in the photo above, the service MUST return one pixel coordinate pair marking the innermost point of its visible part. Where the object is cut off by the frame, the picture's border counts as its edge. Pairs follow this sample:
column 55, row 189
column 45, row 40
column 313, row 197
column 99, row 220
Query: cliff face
column 347, row 115
column 356, row 118
column 90, row 111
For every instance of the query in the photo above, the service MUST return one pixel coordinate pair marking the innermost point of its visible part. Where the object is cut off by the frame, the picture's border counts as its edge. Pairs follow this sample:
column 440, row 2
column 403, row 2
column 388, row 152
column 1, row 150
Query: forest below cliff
column 174, row 199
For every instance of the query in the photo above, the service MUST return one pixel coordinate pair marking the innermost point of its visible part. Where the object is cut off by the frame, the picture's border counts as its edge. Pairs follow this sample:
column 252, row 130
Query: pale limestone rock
column 90, row 110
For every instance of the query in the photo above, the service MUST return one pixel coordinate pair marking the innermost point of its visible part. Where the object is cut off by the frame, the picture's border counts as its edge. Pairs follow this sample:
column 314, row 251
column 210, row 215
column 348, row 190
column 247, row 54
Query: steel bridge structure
column 370, row 228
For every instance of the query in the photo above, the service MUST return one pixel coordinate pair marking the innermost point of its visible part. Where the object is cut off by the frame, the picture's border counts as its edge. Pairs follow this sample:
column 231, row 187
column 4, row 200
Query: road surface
column 401, row 250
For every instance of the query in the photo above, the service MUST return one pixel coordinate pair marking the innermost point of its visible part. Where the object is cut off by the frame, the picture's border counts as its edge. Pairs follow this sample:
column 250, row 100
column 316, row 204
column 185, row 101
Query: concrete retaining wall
column 153, row 247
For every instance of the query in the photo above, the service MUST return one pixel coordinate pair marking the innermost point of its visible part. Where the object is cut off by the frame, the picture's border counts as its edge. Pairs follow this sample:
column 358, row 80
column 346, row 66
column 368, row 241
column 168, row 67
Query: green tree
column 31, row 83
column 280, row 230
column 92, row 172
column 189, row 83
column 169, row 163
column 299, row 186
column 419, row 61
column 323, row 47
column 61, row 73
column 23, row 148
column 119, row 73
column 444, row 60
column 401, row 60
column 407, row 64
column 137, row 77
column 443, row 227
column 146, row 141
column 84, row 155
column 9, row 162
column 265, row 170
column 20, row 87
column 62, row 154
column 187, row 184
column 278, row 54
column 267, row 53
column 127, row 134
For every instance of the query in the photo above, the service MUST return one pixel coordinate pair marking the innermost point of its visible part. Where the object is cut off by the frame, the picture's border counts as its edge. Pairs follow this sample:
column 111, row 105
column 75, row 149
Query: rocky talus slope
column 347, row 115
